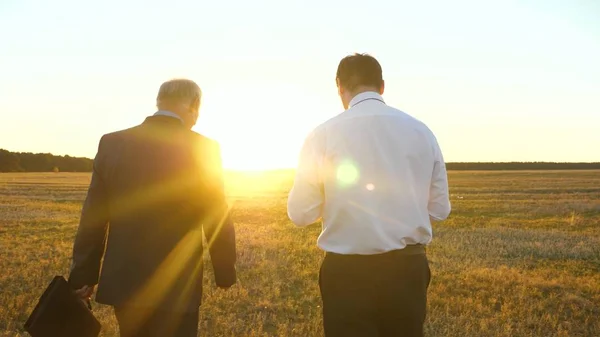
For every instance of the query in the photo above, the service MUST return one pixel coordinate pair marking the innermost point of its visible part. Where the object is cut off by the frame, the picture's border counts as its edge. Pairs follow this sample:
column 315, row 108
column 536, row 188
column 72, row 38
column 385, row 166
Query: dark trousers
column 140, row 322
column 374, row 295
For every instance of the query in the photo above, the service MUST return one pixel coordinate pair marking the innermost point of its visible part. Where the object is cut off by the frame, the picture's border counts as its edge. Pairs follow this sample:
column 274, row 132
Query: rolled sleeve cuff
column 441, row 215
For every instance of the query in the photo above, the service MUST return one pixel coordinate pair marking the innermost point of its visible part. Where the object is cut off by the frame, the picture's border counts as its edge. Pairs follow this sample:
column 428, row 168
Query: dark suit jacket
column 154, row 189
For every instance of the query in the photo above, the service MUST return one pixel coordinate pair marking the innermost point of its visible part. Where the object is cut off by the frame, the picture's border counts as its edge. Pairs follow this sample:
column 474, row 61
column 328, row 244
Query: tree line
column 42, row 162
column 46, row 162
column 521, row 166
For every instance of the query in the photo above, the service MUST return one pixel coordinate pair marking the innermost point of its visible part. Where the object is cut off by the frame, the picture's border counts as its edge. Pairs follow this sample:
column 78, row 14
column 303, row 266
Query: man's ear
column 339, row 86
column 382, row 88
column 195, row 105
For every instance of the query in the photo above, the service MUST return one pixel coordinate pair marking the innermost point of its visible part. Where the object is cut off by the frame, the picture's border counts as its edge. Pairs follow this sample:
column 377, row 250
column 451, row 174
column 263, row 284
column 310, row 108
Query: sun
column 243, row 159
column 258, row 133
column 262, row 151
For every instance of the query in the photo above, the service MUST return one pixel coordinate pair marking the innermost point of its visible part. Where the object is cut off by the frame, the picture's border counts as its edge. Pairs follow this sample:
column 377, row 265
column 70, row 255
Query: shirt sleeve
column 306, row 199
column 439, row 198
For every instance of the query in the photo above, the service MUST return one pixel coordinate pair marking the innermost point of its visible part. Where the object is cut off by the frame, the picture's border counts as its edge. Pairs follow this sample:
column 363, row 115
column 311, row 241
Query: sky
column 494, row 80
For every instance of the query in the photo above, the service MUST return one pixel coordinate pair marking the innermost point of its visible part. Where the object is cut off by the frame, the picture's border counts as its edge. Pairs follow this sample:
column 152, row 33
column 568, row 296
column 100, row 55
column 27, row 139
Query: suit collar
column 162, row 119
column 169, row 114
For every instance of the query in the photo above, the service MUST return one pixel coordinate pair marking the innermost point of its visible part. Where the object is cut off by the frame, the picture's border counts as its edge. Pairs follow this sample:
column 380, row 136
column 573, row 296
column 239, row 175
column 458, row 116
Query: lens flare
column 347, row 174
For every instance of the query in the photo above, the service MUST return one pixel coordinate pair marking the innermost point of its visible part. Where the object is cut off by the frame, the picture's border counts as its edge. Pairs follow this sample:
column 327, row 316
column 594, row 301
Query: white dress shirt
column 169, row 114
column 374, row 176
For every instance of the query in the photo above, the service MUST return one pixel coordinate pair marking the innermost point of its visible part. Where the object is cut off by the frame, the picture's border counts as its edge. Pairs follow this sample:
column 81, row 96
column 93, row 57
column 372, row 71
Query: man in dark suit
column 155, row 188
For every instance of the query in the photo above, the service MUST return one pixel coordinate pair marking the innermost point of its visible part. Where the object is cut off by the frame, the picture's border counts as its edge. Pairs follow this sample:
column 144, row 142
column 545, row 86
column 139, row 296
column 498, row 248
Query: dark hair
column 359, row 70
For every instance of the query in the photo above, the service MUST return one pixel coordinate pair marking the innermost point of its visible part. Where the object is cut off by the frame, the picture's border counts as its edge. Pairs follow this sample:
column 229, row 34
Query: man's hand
column 85, row 293
column 225, row 286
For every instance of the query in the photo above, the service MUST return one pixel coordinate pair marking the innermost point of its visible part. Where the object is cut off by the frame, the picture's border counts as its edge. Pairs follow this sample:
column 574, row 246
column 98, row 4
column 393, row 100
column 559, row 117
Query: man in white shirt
column 376, row 178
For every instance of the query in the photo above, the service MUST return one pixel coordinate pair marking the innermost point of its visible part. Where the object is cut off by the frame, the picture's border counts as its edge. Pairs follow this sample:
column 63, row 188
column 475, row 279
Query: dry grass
column 520, row 256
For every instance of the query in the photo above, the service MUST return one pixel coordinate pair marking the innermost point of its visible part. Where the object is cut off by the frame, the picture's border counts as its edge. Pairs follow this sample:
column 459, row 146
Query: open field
column 520, row 256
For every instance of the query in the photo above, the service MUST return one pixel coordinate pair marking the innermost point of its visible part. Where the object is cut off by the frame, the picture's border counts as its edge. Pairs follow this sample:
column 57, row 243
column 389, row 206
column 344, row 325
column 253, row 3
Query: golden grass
column 520, row 256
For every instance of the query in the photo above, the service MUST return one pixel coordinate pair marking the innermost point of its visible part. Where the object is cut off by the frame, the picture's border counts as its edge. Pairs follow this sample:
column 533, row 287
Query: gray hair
column 178, row 91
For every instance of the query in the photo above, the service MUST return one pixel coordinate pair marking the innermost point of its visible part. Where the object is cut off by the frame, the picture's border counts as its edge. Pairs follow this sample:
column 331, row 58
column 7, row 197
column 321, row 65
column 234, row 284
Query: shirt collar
column 367, row 95
column 168, row 113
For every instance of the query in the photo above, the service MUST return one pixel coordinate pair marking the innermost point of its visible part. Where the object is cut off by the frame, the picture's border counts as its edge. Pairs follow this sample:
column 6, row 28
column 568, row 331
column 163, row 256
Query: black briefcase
column 60, row 312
